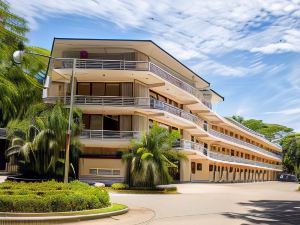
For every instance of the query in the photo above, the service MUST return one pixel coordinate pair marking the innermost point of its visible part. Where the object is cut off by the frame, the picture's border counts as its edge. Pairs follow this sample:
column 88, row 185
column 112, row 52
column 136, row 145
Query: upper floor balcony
column 136, row 102
column 202, row 151
column 244, row 143
column 239, row 160
column 61, row 64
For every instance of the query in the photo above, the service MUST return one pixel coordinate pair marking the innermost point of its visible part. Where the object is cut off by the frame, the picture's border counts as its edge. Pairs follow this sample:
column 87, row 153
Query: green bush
column 119, row 186
column 51, row 196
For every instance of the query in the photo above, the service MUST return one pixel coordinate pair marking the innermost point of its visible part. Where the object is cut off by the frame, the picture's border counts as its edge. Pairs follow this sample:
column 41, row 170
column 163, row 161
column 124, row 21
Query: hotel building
column 123, row 86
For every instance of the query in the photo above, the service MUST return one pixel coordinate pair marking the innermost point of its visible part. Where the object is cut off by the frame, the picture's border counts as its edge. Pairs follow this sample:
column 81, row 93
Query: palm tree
column 19, row 86
column 38, row 143
column 151, row 157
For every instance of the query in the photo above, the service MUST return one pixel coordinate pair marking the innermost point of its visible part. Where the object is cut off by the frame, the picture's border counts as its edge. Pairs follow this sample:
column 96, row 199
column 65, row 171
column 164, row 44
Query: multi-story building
column 123, row 86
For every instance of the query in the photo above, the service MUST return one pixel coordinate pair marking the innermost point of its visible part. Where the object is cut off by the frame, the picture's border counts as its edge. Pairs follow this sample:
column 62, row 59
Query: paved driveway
column 209, row 204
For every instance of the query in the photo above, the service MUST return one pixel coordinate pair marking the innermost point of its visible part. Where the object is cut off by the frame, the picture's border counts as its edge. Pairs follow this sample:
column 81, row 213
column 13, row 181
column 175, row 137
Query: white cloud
column 285, row 111
column 190, row 29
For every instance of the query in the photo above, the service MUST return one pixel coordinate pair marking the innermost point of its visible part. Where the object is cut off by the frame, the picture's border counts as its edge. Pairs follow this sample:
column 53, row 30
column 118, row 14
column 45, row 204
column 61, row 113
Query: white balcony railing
column 235, row 140
column 190, row 145
column 144, row 102
column 66, row 63
column 234, row 159
column 156, row 104
column 109, row 134
column 102, row 100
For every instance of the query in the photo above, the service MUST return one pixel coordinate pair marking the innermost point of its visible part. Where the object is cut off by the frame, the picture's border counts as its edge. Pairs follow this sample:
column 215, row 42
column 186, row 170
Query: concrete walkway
column 220, row 204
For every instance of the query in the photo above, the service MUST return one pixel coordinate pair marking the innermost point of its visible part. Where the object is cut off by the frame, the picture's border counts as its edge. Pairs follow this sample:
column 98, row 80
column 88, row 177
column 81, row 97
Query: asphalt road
column 220, row 204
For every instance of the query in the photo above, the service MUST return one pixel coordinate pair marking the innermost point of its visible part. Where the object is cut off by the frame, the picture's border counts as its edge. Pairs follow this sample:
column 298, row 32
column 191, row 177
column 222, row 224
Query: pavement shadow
column 269, row 212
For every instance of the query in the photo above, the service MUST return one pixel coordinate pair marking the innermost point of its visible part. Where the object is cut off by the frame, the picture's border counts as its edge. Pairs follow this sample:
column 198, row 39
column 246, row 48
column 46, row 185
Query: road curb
column 64, row 219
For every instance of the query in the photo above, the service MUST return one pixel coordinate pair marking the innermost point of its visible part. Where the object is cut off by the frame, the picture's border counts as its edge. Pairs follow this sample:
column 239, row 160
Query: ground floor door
column 3, row 147
column 175, row 172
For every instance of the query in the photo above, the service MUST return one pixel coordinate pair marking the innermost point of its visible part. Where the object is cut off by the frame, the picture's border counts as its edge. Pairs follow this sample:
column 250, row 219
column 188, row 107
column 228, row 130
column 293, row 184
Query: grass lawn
column 112, row 208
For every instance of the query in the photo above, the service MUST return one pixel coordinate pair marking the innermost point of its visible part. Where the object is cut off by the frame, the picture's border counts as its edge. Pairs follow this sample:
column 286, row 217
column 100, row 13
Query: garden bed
column 124, row 188
column 51, row 196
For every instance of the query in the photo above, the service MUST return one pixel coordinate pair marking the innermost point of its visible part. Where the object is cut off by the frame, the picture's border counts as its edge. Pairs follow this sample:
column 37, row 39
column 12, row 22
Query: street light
column 17, row 58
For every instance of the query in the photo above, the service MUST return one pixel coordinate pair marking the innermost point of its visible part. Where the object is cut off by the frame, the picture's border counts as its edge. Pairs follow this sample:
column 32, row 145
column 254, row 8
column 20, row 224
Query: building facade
column 124, row 86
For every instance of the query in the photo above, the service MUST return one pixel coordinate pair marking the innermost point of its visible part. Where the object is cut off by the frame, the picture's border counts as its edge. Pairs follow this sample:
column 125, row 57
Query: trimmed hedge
column 159, row 188
column 119, row 186
column 51, row 196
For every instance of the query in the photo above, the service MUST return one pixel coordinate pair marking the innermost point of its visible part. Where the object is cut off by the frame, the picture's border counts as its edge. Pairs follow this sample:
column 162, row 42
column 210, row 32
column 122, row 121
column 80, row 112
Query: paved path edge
column 63, row 218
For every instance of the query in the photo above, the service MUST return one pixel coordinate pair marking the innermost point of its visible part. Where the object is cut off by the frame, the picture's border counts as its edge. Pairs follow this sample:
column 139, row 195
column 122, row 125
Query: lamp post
column 17, row 58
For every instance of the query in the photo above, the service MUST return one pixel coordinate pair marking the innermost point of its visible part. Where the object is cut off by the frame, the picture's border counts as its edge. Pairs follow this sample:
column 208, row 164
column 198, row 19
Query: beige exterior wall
column 200, row 175
column 85, row 164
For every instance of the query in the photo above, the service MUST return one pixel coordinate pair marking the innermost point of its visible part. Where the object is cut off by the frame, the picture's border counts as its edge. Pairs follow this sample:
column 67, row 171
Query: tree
column 238, row 118
column 291, row 153
column 151, row 157
column 38, row 142
column 18, row 84
column 268, row 130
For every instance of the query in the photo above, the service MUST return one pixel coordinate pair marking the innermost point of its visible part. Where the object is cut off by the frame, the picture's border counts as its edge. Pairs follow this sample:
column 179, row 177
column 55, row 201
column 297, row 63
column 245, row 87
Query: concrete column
column 227, row 174
column 186, row 135
column 140, row 123
column 185, row 170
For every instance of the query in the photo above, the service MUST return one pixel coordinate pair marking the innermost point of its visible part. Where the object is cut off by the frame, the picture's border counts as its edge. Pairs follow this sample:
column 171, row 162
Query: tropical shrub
column 151, row 157
column 38, row 141
column 51, row 196
column 119, row 186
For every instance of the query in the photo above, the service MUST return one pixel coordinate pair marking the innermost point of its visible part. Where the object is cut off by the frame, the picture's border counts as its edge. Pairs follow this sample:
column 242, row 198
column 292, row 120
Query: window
column 83, row 88
column 211, row 167
column 199, row 166
column 193, row 167
column 230, row 170
column 98, row 89
column 112, row 89
column 86, row 121
column 93, row 171
column 218, row 168
column 162, row 98
column 105, row 172
column 153, row 94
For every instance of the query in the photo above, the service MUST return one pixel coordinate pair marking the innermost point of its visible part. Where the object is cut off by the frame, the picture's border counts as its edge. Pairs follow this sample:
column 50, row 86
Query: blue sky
column 248, row 50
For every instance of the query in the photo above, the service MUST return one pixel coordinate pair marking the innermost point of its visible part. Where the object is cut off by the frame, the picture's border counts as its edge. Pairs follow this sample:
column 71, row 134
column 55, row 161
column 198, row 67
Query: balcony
column 190, row 145
column 65, row 63
column 234, row 159
column 246, row 144
column 141, row 102
column 109, row 134
column 156, row 104
column 252, row 131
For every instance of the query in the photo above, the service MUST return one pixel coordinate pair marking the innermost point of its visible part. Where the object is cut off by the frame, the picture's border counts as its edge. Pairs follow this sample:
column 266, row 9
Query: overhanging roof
column 147, row 47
